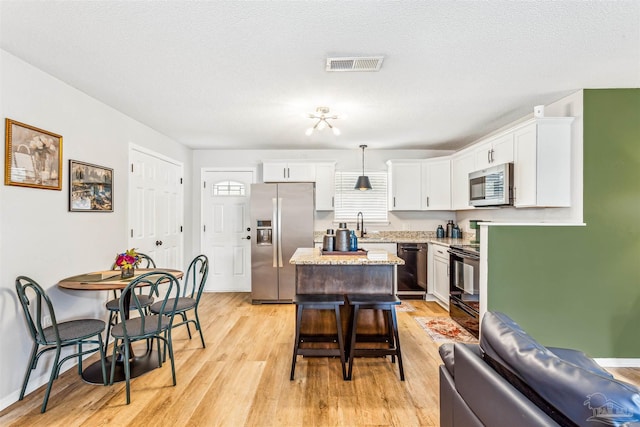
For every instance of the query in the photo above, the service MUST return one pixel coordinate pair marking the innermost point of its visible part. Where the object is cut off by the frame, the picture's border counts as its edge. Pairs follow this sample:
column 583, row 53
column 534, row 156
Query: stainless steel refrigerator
column 282, row 219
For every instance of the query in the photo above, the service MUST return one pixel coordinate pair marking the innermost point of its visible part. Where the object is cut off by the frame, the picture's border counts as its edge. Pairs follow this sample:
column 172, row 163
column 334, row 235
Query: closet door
column 156, row 208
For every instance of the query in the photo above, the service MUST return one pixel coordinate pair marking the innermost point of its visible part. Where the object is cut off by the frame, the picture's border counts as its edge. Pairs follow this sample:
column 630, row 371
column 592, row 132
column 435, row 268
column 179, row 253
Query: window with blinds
column 349, row 201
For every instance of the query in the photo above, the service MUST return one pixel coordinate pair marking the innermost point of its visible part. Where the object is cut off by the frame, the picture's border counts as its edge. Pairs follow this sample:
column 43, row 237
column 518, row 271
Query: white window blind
column 349, row 201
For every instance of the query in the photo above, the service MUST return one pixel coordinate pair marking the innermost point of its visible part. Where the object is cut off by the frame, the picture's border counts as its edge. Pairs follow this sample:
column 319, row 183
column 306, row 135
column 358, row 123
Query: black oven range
column 464, row 296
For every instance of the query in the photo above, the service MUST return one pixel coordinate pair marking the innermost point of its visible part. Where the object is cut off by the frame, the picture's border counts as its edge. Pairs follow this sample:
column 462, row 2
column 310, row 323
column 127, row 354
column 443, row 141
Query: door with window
column 156, row 208
column 226, row 229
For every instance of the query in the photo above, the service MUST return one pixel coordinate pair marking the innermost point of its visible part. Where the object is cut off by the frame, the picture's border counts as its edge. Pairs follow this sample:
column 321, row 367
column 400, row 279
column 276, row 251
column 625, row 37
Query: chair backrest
column 168, row 301
column 33, row 297
column 196, row 277
column 145, row 262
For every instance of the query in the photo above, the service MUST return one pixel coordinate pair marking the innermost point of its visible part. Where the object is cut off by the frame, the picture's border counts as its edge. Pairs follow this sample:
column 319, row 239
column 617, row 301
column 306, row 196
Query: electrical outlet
column 46, row 321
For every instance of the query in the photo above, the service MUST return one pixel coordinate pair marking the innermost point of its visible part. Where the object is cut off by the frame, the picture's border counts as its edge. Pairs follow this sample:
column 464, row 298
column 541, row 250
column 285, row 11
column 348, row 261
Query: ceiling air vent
column 362, row 63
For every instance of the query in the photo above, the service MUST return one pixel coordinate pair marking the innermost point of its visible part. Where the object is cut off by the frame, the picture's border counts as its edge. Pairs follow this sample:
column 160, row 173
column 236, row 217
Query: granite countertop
column 314, row 256
column 401, row 237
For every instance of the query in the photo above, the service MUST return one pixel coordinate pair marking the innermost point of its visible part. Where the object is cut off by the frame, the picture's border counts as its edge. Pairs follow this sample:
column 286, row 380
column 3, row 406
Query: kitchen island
column 318, row 273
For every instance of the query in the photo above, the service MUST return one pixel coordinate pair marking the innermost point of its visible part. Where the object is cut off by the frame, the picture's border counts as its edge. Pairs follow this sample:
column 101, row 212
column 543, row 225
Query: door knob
column 248, row 228
column 248, row 237
column 158, row 242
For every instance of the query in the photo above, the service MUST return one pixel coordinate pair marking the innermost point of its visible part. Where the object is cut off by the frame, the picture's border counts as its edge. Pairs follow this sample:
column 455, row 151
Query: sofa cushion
column 446, row 354
column 578, row 357
column 572, row 394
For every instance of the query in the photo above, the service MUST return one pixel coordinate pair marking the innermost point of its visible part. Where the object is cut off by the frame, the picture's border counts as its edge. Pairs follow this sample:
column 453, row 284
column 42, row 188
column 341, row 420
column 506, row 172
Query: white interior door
column 155, row 209
column 226, row 230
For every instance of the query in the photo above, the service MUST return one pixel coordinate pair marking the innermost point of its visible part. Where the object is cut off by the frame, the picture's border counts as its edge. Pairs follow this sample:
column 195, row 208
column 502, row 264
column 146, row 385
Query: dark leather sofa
column 511, row 380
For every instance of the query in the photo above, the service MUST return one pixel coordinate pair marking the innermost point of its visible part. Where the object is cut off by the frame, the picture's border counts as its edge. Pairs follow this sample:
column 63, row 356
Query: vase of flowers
column 127, row 261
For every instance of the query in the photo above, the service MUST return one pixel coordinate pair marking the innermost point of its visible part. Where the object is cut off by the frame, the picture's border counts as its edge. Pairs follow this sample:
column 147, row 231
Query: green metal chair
column 113, row 305
column 36, row 306
column 191, row 292
column 145, row 326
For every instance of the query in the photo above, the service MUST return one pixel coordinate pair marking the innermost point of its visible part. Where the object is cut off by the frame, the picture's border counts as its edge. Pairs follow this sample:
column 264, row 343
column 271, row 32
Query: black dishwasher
column 412, row 276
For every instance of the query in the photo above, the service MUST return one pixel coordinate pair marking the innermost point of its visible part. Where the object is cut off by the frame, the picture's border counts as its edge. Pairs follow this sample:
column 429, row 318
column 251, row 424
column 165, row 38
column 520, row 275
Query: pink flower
column 128, row 259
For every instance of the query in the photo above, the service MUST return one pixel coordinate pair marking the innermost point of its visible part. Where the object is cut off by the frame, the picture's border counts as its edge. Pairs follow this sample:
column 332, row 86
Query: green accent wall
column 579, row 287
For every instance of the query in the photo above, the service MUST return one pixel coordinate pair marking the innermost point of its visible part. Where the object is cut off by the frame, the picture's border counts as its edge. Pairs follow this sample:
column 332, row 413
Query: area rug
column 445, row 329
column 405, row 306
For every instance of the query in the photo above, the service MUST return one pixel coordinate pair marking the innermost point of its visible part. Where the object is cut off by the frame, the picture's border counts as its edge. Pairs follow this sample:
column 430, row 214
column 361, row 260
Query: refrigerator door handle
column 280, row 232
column 277, row 242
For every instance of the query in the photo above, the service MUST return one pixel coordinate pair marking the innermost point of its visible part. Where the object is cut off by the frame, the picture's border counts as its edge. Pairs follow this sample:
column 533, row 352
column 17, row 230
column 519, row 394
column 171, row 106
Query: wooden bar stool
column 383, row 302
column 319, row 302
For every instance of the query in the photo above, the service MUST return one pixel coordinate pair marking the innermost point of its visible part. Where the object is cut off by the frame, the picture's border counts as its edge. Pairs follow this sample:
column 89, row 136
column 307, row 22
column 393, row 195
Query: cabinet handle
column 427, row 201
column 284, row 172
column 394, row 201
column 492, row 158
column 489, row 156
column 333, row 202
column 288, row 173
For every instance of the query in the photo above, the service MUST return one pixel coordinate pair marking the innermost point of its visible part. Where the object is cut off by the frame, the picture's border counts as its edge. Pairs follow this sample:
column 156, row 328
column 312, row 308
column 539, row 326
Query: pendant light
column 363, row 183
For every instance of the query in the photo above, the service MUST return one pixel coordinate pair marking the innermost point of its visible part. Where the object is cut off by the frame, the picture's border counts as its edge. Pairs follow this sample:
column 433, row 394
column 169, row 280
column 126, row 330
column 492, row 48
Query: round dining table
column 109, row 280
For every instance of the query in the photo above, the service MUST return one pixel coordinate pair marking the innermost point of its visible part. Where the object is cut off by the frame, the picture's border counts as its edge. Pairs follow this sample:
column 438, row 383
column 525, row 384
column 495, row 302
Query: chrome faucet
column 360, row 224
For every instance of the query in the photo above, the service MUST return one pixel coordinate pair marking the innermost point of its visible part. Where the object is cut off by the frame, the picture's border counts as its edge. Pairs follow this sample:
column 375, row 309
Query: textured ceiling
column 244, row 74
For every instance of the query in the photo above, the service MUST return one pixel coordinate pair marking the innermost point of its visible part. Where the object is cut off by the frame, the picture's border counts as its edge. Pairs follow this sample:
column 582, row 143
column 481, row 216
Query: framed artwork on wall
column 90, row 187
column 33, row 157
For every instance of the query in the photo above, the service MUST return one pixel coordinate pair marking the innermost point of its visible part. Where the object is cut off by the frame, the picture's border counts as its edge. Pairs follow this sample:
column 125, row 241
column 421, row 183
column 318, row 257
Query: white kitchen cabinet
column 404, row 185
column 440, row 274
column 494, row 151
column 461, row 166
column 288, row 172
column 325, row 186
column 436, row 183
column 542, row 164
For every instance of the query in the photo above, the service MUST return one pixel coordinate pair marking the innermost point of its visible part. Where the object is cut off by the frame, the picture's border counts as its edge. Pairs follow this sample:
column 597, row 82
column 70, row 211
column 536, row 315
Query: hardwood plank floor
column 242, row 379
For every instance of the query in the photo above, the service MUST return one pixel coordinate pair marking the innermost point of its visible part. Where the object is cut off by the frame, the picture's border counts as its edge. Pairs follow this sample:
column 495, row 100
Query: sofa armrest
column 481, row 387
column 569, row 392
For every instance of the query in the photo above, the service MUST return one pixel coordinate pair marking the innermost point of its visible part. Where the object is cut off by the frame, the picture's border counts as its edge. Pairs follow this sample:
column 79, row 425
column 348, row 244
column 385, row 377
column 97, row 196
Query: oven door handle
column 462, row 307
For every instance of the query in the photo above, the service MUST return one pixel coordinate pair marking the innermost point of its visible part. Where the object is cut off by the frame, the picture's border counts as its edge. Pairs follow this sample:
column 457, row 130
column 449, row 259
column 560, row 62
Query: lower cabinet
column 440, row 274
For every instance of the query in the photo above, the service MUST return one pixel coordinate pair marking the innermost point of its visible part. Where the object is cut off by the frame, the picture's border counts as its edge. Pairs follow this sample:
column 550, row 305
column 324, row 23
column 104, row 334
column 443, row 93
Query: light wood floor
column 242, row 378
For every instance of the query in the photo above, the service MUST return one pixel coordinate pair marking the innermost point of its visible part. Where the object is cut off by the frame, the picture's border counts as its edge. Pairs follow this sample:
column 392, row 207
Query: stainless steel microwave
column 492, row 186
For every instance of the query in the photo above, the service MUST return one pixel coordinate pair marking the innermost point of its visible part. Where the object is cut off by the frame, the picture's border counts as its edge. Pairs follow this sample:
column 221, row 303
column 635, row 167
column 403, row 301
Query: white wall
column 39, row 238
column 570, row 106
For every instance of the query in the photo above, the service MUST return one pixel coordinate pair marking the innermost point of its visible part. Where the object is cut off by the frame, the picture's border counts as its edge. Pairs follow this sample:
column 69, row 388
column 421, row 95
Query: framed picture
column 33, row 157
column 90, row 187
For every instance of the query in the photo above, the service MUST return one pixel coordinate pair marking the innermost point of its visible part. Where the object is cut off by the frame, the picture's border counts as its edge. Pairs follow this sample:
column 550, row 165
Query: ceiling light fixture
column 322, row 116
column 363, row 182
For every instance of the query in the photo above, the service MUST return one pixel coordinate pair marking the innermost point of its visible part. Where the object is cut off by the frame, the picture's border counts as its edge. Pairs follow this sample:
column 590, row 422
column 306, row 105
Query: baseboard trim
column 617, row 363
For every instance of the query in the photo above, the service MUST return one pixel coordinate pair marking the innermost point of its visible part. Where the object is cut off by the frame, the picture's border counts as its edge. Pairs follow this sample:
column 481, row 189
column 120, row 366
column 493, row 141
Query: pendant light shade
column 363, row 182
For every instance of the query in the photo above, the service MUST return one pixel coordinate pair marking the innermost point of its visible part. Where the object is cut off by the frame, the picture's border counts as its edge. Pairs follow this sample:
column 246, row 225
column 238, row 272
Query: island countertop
column 313, row 256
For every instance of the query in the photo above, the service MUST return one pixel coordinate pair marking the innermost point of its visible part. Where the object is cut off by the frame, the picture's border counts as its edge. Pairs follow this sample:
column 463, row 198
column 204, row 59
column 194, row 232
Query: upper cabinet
column 542, row 164
column 436, row 184
column 404, row 185
column 322, row 173
column 288, row 172
column 494, row 151
column 462, row 164
column 416, row 185
column 325, row 186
